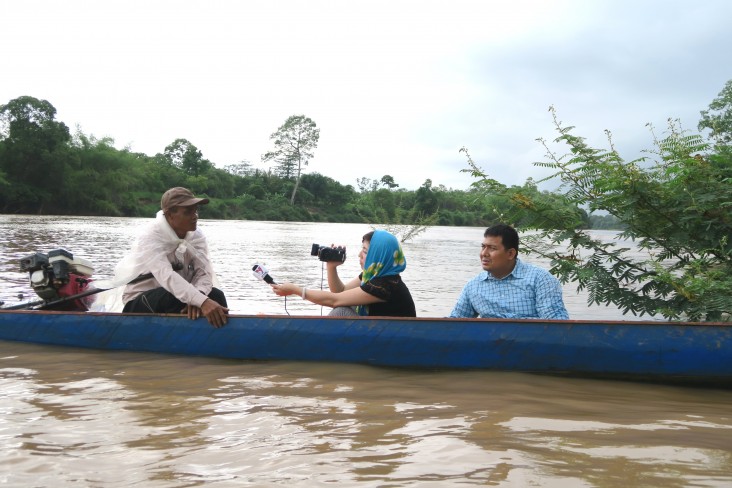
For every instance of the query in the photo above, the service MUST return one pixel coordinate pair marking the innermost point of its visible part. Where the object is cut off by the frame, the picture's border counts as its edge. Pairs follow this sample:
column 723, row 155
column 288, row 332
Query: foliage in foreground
column 675, row 204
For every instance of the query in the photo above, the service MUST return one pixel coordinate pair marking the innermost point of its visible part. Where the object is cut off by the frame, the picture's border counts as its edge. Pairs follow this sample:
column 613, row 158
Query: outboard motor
column 58, row 275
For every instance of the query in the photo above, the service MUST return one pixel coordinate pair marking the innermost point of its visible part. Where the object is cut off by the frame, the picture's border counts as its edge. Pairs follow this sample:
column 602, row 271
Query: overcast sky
column 396, row 87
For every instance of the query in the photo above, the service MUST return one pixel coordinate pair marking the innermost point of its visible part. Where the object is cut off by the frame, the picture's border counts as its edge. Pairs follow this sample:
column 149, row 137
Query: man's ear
column 512, row 253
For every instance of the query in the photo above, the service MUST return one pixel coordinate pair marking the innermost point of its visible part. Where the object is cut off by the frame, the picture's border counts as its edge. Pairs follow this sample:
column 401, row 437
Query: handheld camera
column 328, row 253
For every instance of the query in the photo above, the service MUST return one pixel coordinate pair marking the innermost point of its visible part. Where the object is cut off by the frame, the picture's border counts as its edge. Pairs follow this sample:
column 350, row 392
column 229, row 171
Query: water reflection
column 43, row 424
column 111, row 418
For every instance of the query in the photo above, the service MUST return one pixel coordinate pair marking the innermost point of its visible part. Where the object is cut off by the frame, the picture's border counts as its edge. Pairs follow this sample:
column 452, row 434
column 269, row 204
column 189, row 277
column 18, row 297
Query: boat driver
column 175, row 252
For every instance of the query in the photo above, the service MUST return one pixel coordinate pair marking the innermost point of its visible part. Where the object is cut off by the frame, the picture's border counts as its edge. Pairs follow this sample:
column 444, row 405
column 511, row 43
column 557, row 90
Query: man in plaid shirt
column 509, row 287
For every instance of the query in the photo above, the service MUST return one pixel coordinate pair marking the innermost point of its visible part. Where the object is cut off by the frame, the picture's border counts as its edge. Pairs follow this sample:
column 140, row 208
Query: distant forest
column 44, row 169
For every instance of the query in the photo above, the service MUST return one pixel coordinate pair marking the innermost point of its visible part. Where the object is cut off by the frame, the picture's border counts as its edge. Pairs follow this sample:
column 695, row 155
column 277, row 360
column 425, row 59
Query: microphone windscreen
column 258, row 271
column 262, row 274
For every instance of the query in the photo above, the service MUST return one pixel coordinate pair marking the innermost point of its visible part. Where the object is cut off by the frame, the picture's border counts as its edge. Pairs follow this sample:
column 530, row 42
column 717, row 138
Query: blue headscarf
column 385, row 258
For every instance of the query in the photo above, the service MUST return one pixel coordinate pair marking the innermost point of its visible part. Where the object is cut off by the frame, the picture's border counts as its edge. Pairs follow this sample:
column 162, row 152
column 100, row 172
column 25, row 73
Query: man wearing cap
column 176, row 253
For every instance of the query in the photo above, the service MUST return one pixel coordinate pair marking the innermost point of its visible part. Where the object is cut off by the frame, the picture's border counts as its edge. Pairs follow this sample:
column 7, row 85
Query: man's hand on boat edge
column 216, row 314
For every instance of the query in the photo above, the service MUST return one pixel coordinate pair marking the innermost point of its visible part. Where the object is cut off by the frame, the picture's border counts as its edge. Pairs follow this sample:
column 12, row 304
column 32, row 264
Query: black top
column 398, row 301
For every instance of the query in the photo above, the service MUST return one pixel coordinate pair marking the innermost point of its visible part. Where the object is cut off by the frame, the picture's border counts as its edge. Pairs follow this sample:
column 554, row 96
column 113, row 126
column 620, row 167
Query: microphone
column 262, row 274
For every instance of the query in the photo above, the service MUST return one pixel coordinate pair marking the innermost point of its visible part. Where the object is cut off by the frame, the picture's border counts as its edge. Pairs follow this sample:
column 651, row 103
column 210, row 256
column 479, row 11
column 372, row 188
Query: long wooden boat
column 657, row 351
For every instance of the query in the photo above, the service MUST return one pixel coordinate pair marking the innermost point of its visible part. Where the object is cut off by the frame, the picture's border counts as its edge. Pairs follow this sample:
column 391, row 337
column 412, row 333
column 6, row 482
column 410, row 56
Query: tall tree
column 388, row 180
column 427, row 200
column 34, row 152
column 182, row 154
column 294, row 143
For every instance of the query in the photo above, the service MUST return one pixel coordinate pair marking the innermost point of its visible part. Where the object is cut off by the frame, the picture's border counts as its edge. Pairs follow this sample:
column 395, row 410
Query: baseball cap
column 180, row 197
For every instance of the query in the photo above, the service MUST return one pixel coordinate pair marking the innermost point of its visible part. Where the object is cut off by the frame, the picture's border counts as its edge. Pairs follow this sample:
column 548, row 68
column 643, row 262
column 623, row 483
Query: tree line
column 45, row 169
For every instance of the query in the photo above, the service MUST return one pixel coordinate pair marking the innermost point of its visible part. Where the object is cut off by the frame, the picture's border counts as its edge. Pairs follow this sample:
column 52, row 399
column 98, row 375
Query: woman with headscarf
column 378, row 291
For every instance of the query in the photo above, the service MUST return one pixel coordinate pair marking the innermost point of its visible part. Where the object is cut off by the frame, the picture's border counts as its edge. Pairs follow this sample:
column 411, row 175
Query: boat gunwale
column 390, row 319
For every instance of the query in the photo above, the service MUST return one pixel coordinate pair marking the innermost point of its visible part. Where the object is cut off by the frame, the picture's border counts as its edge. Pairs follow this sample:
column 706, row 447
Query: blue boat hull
column 660, row 351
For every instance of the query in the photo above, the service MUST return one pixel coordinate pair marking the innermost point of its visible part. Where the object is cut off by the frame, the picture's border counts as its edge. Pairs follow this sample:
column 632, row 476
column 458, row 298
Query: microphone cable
column 322, row 270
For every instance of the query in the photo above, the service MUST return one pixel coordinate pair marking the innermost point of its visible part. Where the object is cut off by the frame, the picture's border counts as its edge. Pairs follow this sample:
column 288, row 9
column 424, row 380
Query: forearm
column 335, row 284
column 463, row 307
column 550, row 303
column 320, row 297
column 346, row 298
column 178, row 286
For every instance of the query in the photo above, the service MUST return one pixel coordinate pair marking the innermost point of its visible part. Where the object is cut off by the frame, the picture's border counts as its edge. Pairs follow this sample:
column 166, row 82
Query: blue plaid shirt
column 527, row 292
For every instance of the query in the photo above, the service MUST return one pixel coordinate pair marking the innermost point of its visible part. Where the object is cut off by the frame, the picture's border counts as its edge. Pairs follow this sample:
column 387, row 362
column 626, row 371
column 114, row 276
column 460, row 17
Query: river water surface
column 100, row 418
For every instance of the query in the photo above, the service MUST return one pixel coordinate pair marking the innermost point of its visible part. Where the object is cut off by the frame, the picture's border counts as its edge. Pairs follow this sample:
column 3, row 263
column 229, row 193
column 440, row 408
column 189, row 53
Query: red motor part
column 76, row 284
